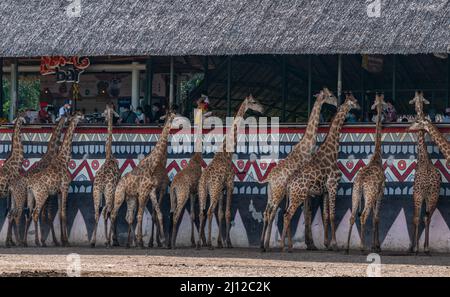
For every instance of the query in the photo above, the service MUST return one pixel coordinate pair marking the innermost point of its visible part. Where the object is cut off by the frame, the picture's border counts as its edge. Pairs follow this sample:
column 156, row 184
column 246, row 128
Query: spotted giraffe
column 436, row 135
column 55, row 179
column 106, row 179
column 369, row 183
column 302, row 152
column 10, row 172
column 219, row 175
column 427, row 182
column 19, row 188
column 319, row 177
column 137, row 185
column 163, row 182
column 185, row 186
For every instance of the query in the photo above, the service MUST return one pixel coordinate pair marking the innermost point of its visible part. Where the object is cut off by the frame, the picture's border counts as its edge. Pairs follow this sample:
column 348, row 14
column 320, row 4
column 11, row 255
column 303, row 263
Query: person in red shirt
column 43, row 115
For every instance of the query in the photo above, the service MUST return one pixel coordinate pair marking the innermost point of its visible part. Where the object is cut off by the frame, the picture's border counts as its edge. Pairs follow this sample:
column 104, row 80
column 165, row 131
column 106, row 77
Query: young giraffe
column 10, row 172
column 138, row 184
column 320, row 176
column 427, row 182
column 436, row 135
column 185, row 186
column 106, row 179
column 55, row 179
column 18, row 188
column 219, row 174
column 302, row 152
column 370, row 183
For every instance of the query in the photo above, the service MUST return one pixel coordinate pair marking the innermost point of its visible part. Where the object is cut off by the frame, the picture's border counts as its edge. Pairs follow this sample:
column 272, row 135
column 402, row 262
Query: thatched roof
column 214, row 27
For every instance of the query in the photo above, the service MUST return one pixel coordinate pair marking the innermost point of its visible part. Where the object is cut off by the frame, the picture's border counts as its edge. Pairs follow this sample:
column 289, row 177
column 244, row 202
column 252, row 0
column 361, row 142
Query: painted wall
column 249, row 198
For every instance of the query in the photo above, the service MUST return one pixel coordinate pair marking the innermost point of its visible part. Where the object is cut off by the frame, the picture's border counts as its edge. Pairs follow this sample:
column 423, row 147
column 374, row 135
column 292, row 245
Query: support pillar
column 149, row 81
column 394, row 78
column 135, row 86
column 284, row 87
column 171, row 83
column 339, row 80
column 1, row 88
column 229, row 86
column 14, row 90
column 309, row 84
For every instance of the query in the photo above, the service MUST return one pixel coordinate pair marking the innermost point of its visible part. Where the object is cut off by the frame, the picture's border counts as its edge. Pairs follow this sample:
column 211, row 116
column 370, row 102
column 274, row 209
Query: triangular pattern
column 317, row 229
column 342, row 233
column 78, row 233
column 397, row 238
column 184, row 230
column 238, row 233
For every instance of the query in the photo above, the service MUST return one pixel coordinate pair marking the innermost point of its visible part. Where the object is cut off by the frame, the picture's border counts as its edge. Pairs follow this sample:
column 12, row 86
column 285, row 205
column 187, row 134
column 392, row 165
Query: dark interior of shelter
column 284, row 84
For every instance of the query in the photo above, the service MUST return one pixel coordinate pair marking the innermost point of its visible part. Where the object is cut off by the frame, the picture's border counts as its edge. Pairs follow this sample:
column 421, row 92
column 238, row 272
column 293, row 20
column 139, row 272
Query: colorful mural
column 249, row 198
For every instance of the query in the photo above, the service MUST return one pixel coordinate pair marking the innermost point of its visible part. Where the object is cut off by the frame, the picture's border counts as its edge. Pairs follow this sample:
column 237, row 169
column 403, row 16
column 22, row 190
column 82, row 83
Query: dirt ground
column 219, row 262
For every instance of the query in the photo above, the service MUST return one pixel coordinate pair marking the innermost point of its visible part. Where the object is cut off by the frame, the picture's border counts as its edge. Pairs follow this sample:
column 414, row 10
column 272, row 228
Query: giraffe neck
column 332, row 140
column 159, row 153
column 16, row 146
column 376, row 158
column 422, row 153
column 305, row 146
column 65, row 152
column 53, row 144
column 234, row 127
column 108, row 145
column 440, row 140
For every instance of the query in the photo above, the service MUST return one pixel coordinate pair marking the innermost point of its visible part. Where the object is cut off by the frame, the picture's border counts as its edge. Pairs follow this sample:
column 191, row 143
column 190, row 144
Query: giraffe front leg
column 214, row 200
column 192, row 198
column 202, row 195
column 325, row 218
column 97, row 197
column 63, row 216
column 50, row 219
column 131, row 209
column 230, row 187
column 294, row 204
column 158, row 215
column 140, row 217
column 310, row 246
column 40, row 200
column 220, row 216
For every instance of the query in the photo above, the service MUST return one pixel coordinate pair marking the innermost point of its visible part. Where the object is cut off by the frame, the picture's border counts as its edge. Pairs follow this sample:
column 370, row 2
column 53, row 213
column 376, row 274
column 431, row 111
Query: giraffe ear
column 425, row 101
column 374, row 106
column 412, row 101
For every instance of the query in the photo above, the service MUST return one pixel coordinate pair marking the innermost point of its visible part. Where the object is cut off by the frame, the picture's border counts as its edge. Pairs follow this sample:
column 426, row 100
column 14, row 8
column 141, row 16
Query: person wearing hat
column 446, row 118
column 43, row 115
column 64, row 110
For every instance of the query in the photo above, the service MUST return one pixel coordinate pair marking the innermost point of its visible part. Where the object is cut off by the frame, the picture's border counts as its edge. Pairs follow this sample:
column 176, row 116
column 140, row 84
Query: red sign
column 67, row 69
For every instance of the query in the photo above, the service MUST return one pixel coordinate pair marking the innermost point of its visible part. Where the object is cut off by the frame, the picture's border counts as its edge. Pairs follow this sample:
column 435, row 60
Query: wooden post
column 309, row 83
column 14, row 90
column 339, row 79
column 135, row 86
column 206, row 78
column 149, row 81
column 394, row 77
column 229, row 86
column 1, row 88
column 363, row 94
column 284, row 87
column 171, row 84
column 448, row 80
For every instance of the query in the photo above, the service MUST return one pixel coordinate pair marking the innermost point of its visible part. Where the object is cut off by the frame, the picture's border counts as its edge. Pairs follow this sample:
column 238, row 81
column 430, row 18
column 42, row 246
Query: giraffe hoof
column 43, row 244
column 210, row 247
column 219, row 245
column 92, row 244
column 263, row 250
column 347, row 251
column 66, row 244
column 427, row 252
column 150, row 245
column 311, row 248
column 115, row 243
column 229, row 246
column 56, row 243
column 24, row 244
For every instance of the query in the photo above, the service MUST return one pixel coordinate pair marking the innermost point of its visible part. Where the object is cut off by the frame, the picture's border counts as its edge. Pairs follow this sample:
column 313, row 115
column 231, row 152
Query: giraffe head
column 20, row 119
column 327, row 96
column 420, row 124
column 109, row 112
column 379, row 102
column 418, row 102
column 76, row 117
column 253, row 104
column 351, row 101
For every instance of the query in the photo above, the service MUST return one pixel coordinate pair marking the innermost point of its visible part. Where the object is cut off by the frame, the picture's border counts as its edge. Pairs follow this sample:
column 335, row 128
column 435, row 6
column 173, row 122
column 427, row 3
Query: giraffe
column 163, row 182
column 436, row 136
column 138, row 184
column 18, row 188
column 302, row 152
column 106, row 179
column 219, row 174
column 370, row 183
column 427, row 182
column 185, row 186
column 10, row 171
column 55, row 179
column 320, row 176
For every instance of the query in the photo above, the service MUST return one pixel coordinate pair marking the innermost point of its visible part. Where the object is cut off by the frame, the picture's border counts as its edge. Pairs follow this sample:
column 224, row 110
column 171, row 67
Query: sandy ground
column 219, row 262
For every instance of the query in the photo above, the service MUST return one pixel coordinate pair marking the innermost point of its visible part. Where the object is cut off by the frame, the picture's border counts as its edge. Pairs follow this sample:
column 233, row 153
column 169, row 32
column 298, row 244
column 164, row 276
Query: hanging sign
column 66, row 69
column 372, row 63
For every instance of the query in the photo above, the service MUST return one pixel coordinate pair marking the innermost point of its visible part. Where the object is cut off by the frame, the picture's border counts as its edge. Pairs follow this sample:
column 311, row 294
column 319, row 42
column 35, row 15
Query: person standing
column 64, row 110
column 128, row 116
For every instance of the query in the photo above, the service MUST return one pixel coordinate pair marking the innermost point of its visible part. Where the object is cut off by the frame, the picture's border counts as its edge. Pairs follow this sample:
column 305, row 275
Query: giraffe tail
column 356, row 199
